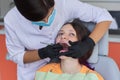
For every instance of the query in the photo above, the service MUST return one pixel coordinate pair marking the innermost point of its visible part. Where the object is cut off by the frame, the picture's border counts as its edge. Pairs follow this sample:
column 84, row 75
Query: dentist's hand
column 79, row 48
column 50, row 51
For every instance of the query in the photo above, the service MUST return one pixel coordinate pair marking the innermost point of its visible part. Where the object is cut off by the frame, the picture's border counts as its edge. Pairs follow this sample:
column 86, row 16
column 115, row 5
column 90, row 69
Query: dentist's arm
column 50, row 51
column 99, row 30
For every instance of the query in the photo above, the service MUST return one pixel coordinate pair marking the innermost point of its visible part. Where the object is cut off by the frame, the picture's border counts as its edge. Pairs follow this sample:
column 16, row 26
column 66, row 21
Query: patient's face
column 66, row 33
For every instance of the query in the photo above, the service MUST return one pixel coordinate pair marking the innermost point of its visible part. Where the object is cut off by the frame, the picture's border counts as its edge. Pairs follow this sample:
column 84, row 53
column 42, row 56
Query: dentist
column 33, row 24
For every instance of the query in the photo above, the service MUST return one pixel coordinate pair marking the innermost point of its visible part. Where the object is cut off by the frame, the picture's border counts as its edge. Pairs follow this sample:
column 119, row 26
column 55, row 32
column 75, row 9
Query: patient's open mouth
column 65, row 47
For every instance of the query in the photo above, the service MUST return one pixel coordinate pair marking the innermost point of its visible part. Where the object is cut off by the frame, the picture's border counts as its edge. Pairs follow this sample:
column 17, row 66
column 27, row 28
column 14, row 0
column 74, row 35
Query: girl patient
column 68, row 68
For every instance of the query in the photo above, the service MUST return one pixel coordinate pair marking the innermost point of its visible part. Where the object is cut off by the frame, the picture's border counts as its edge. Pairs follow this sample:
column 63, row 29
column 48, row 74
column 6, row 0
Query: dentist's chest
column 32, row 37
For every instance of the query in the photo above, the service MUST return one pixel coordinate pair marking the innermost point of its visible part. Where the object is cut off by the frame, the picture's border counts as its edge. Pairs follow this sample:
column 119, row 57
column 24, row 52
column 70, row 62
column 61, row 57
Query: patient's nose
column 64, row 37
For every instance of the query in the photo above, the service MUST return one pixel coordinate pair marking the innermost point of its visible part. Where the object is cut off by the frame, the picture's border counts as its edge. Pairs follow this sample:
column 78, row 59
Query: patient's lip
column 65, row 47
column 65, row 42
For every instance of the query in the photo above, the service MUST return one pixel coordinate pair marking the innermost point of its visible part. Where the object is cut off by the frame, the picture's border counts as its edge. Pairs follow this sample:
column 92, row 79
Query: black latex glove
column 50, row 51
column 55, row 59
column 79, row 48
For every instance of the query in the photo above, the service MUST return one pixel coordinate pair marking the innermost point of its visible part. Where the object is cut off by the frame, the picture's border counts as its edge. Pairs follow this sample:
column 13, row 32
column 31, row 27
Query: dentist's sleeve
column 86, row 12
column 15, row 48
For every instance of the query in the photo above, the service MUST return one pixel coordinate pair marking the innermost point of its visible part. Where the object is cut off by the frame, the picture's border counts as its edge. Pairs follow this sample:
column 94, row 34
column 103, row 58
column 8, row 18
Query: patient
column 69, row 68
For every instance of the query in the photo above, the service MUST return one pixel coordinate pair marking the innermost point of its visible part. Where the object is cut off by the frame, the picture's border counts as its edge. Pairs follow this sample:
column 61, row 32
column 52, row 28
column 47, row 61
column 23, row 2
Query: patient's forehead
column 67, row 27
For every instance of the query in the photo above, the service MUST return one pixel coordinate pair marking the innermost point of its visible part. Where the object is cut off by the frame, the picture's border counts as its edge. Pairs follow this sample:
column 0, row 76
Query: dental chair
column 99, row 59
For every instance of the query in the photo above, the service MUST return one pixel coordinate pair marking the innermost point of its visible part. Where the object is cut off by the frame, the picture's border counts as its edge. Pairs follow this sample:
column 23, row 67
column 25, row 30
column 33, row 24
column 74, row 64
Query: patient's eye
column 60, row 33
column 72, row 34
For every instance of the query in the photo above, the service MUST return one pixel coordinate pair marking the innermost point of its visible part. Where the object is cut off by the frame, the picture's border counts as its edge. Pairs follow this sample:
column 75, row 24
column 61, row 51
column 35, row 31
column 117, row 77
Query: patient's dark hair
column 34, row 10
column 82, row 33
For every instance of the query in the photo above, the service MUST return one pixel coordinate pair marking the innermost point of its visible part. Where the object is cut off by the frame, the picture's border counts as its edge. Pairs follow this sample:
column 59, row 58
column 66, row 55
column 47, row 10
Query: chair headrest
column 101, row 48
